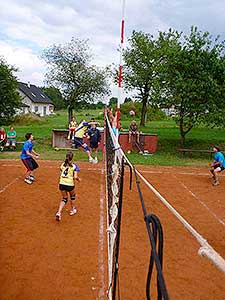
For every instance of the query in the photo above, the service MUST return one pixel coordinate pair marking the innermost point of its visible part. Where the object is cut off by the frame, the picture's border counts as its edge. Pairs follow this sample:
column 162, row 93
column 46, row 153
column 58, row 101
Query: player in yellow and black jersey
column 67, row 179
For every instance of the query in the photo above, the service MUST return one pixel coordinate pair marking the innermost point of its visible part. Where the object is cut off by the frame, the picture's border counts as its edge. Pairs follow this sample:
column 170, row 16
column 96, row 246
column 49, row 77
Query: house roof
column 35, row 94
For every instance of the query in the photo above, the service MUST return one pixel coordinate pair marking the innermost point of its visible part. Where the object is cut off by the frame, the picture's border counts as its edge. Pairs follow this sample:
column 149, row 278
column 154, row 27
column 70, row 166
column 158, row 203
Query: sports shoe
column 58, row 216
column 216, row 183
column 28, row 181
column 91, row 159
column 95, row 160
column 31, row 178
column 73, row 212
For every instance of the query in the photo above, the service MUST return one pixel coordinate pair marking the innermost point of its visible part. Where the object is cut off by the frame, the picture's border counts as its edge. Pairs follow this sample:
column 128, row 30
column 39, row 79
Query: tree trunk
column 143, row 110
column 70, row 113
column 182, row 133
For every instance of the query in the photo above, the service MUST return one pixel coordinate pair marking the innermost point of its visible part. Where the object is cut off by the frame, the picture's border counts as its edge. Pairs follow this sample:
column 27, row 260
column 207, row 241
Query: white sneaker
column 31, row 178
column 95, row 160
column 91, row 160
column 28, row 181
column 216, row 183
column 73, row 212
column 58, row 216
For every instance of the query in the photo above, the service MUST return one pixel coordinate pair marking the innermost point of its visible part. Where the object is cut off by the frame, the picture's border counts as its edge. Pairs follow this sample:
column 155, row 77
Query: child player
column 27, row 156
column 79, row 135
column 218, row 164
column 72, row 127
column 66, row 184
column 95, row 137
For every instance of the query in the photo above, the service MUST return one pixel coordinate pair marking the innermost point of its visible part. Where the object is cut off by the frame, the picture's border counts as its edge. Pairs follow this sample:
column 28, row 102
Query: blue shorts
column 78, row 142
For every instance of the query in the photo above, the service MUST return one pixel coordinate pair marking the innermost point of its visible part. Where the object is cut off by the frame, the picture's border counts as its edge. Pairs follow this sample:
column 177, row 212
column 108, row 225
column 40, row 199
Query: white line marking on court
column 9, row 184
column 201, row 202
column 177, row 172
column 101, row 292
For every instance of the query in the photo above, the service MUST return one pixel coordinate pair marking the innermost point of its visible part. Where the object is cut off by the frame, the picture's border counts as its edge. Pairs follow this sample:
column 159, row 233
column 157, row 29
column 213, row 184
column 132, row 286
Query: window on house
column 33, row 94
column 36, row 109
column 44, row 110
column 42, row 96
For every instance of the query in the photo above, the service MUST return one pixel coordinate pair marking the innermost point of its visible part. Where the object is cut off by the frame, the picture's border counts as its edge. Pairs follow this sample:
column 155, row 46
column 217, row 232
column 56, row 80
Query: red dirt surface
column 43, row 259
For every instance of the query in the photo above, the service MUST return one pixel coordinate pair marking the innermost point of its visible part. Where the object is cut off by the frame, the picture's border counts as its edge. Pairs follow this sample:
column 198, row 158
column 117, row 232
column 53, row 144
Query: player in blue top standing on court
column 27, row 156
column 218, row 165
column 95, row 138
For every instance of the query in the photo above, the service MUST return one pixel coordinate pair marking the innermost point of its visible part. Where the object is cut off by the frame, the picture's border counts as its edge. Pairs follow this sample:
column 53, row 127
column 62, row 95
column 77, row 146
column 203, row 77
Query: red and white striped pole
column 120, row 76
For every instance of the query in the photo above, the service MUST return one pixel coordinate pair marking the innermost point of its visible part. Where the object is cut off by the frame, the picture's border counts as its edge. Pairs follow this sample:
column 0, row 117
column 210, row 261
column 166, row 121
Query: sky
column 27, row 27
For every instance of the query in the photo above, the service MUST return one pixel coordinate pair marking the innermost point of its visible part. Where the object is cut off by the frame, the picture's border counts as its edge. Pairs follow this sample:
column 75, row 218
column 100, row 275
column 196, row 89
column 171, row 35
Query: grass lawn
column 168, row 140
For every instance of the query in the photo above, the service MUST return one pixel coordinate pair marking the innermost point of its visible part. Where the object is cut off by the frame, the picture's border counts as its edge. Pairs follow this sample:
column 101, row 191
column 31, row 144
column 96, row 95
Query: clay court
column 42, row 259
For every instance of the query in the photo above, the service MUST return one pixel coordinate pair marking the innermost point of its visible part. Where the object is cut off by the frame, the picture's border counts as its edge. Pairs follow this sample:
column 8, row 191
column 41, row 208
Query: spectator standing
column 2, row 138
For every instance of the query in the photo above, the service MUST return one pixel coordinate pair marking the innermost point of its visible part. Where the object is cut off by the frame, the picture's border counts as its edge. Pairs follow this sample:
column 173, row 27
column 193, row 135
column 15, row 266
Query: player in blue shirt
column 218, row 164
column 95, row 138
column 27, row 156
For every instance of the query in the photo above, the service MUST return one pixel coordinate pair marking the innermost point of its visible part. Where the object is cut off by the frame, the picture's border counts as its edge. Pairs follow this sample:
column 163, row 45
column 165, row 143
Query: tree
column 113, row 101
column 192, row 78
column 10, row 100
column 140, row 64
column 70, row 70
column 55, row 95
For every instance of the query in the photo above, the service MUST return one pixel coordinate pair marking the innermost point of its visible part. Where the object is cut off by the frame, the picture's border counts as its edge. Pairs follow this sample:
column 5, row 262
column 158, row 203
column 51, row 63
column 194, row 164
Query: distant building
column 34, row 100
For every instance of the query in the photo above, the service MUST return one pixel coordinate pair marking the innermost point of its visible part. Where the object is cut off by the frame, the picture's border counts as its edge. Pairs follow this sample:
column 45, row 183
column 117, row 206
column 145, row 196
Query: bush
column 153, row 113
column 28, row 119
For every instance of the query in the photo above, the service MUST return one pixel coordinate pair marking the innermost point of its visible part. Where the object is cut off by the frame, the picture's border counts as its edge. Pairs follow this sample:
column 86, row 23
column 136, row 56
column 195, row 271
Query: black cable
column 155, row 232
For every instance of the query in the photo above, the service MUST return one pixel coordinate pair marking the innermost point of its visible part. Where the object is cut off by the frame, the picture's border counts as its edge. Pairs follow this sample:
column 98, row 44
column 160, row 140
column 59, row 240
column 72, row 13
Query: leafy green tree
column 113, row 101
column 192, row 78
column 10, row 100
column 100, row 105
column 70, row 69
column 127, row 99
column 55, row 95
column 140, row 64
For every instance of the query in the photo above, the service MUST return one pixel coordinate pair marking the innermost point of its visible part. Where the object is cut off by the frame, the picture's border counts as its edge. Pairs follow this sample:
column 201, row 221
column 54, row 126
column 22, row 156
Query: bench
column 190, row 151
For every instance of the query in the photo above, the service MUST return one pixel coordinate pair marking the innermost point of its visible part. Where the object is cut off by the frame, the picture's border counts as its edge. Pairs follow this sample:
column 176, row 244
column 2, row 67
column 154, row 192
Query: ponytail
column 69, row 159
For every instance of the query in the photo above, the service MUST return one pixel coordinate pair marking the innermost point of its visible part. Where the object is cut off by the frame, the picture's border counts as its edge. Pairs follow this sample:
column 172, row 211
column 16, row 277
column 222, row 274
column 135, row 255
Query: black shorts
column 221, row 167
column 67, row 188
column 94, row 145
column 30, row 163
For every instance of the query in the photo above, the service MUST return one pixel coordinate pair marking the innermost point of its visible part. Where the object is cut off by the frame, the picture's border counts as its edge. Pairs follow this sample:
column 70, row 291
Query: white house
column 34, row 100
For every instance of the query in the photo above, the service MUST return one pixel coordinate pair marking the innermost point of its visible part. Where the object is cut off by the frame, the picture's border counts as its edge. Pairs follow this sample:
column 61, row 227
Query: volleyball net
column 116, row 161
column 115, row 165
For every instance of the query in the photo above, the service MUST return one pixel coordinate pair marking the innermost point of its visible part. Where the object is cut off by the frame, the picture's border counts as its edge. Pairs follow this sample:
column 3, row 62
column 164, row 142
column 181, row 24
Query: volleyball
column 132, row 113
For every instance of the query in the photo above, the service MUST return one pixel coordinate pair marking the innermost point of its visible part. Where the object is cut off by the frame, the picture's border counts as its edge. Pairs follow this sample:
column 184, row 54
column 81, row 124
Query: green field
column 168, row 140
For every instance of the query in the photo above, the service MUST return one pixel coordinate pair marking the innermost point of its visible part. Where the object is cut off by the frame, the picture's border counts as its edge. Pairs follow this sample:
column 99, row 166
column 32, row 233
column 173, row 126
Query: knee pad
column 72, row 197
column 86, row 148
column 64, row 200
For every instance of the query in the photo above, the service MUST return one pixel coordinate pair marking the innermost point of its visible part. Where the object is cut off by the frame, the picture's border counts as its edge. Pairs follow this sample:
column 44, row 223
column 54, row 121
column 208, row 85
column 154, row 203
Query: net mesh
column 114, row 190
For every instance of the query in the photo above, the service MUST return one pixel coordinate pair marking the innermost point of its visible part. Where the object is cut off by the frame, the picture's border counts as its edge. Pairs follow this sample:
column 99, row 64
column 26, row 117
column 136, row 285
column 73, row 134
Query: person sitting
column 72, row 127
column 11, row 138
column 133, row 131
column 2, row 138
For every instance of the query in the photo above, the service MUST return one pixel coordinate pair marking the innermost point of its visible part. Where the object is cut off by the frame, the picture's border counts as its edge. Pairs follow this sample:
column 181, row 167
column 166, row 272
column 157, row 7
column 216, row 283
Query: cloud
column 30, row 67
column 27, row 27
